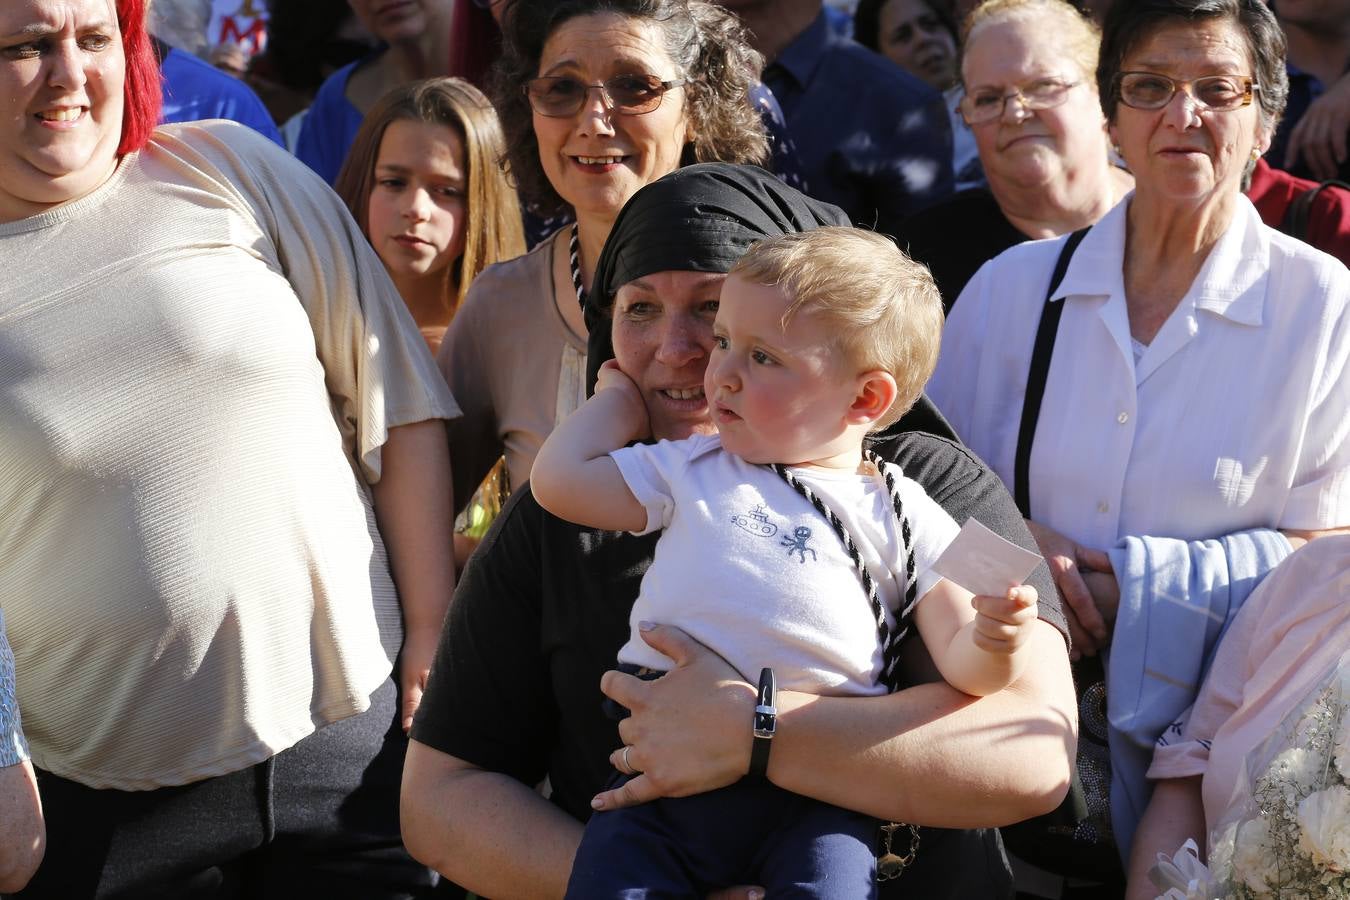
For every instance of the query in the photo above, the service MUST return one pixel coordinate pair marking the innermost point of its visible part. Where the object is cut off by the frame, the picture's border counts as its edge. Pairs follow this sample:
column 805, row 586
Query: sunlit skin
column 663, row 335
column 911, row 35
column 61, row 80
column 1024, row 147
column 417, row 213
column 635, row 150
column 1184, row 156
column 782, row 394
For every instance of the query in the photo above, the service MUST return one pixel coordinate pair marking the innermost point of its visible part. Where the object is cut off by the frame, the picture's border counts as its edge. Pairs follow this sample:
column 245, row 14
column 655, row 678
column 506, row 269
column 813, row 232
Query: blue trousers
column 748, row 833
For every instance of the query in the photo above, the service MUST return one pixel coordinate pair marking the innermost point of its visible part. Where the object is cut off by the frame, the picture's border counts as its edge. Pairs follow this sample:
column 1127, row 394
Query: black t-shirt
column 542, row 610
column 957, row 236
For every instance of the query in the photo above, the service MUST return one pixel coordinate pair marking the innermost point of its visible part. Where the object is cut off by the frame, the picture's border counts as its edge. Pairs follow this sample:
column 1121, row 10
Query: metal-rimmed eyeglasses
column 985, row 105
column 1220, row 93
column 628, row 95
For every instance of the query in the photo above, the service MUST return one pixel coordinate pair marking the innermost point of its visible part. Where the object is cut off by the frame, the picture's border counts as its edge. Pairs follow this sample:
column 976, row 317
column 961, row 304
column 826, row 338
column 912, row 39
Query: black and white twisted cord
column 574, row 259
column 890, row 639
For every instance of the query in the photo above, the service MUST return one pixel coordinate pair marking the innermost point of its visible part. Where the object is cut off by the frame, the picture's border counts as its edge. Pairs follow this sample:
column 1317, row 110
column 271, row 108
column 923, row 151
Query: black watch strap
column 765, row 722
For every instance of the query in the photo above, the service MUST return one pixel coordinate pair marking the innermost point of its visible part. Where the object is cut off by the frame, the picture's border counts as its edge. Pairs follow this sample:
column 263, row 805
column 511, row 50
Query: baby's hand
column 629, row 397
column 1003, row 624
column 611, row 376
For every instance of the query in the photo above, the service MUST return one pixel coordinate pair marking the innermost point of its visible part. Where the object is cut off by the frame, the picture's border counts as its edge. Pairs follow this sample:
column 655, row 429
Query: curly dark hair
column 707, row 44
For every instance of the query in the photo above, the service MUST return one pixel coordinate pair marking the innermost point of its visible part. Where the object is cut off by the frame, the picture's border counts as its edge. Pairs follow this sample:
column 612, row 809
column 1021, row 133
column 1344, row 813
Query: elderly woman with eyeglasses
column 597, row 98
column 1030, row 105
column 1180, row 372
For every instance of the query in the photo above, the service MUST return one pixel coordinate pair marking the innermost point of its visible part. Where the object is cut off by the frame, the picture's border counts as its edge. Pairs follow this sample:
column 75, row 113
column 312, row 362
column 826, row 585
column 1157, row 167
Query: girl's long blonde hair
column 492, row 217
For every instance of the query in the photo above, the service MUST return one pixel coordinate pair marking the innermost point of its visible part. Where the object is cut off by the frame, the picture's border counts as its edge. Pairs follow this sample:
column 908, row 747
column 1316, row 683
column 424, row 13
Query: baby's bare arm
column 574, row 477
column 979, row 643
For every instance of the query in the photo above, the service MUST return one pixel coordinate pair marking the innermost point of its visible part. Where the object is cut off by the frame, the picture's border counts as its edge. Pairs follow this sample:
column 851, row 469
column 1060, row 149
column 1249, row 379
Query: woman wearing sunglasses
column 597, row 98
column 1196, row 383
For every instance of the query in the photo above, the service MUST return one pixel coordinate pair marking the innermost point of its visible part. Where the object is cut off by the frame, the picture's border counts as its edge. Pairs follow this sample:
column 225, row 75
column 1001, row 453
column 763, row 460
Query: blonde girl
column 423, row 181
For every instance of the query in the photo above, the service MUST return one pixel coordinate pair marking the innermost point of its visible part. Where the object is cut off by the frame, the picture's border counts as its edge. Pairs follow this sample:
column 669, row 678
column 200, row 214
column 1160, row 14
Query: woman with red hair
column 225, row 493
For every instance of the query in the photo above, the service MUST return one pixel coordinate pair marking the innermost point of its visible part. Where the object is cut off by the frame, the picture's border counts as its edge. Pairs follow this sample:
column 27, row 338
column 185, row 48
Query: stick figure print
column 797, row 543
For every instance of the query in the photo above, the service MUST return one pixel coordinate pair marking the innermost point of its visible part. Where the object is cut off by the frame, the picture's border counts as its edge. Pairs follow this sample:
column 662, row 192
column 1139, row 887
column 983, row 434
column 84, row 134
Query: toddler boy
column 784, row 546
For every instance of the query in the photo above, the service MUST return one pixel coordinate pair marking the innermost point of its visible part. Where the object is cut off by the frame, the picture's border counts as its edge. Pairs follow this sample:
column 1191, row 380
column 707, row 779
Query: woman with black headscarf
column 543, row 609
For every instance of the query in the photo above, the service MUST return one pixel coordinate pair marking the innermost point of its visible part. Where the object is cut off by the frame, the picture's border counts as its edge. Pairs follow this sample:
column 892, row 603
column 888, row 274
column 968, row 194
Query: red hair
column 142, row 93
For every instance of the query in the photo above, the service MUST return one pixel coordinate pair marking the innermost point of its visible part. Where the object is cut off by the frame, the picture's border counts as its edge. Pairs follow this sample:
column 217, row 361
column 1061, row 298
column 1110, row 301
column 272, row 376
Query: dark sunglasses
column 629, row 95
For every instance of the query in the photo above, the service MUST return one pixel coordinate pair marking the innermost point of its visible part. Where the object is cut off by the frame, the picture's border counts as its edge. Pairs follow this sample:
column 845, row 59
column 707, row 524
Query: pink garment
column 1283, row 641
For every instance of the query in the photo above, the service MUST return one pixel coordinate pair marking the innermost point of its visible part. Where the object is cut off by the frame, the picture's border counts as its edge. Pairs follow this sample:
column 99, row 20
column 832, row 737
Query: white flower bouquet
column 1287, row 831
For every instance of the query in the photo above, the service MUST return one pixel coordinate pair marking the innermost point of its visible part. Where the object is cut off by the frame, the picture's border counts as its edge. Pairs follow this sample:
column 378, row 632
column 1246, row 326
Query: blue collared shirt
column 871, row 138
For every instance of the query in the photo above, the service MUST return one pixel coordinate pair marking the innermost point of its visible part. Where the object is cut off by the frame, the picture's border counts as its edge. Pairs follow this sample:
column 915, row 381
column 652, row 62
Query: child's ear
column 875, row 395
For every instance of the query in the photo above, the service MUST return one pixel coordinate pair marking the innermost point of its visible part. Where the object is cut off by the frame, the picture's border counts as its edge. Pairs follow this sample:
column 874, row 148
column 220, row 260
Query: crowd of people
column 282, row 612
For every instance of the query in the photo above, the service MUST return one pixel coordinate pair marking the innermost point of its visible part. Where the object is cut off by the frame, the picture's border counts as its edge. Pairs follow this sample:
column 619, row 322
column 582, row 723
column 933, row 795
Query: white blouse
column 1237, row 415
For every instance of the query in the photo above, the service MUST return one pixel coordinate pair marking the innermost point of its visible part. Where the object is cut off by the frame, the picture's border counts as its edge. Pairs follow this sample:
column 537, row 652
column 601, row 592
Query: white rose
column 1254, row 862
column 1324, row 828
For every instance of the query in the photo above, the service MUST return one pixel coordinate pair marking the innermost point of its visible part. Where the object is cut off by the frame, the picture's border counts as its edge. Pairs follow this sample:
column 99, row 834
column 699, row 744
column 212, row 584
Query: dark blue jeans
column 749, row 833
column 319, row 819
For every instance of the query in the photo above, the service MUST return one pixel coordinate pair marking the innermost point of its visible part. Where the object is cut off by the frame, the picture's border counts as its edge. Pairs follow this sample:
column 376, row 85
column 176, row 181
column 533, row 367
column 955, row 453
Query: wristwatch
column 765, row 722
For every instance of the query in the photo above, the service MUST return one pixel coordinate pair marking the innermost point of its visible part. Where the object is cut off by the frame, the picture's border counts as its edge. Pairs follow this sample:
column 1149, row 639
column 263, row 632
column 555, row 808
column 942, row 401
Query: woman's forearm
column 483, row 830
column 1175, row 812
column 412, row 504
column 932, row 755
column 22, row 835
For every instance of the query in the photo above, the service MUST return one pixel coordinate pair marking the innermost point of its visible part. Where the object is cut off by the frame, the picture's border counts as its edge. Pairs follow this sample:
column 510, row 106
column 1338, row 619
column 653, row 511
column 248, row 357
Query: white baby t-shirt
column 750, row 569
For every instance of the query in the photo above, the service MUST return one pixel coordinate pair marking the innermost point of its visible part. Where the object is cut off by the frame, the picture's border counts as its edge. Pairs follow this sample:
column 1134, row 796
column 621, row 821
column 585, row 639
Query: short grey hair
column 1130, row 22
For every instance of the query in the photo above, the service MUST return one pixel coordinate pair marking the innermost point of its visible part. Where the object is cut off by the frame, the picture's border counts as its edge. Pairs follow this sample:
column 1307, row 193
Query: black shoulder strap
column 1295, row 222
column 1041, row 352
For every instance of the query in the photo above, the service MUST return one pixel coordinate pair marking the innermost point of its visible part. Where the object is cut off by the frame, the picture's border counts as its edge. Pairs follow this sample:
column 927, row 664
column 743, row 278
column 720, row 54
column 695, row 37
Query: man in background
column 870, row 138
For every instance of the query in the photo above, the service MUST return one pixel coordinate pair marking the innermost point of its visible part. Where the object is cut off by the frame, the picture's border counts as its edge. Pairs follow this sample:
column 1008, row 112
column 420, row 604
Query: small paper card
column 983, row 562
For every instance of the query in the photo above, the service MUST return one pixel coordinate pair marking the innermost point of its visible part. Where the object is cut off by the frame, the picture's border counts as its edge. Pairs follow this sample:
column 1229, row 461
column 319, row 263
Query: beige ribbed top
column 513, row 364
column 199, row 363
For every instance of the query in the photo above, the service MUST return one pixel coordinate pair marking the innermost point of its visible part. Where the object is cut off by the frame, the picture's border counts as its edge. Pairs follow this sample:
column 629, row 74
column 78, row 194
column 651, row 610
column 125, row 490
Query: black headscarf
column 702, row 218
